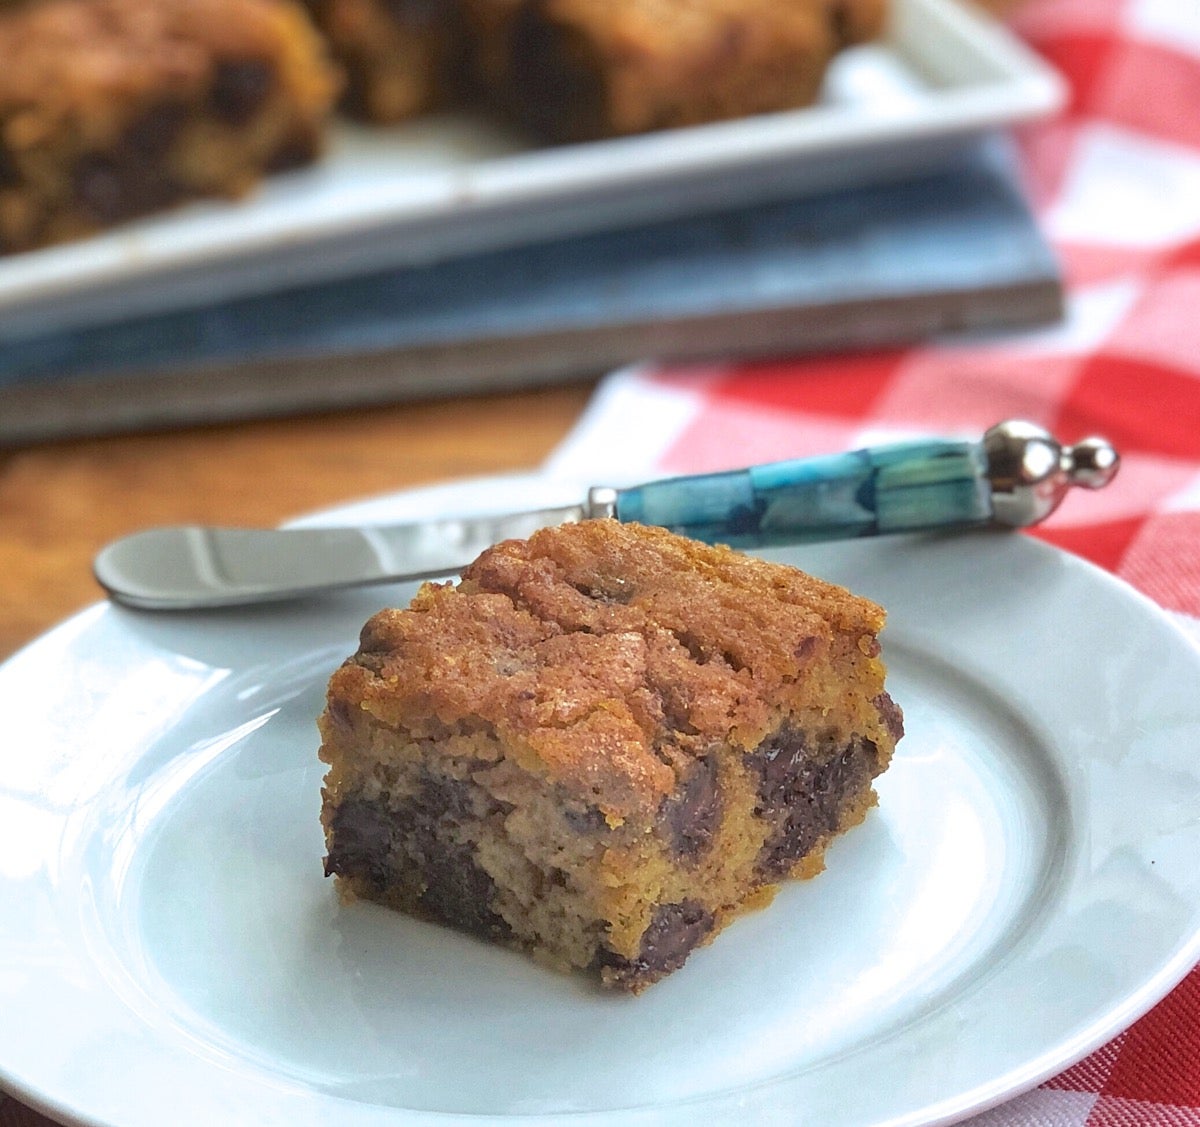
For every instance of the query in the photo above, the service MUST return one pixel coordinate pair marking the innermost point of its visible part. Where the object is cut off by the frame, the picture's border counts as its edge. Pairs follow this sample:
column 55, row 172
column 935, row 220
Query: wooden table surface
column 61, row 502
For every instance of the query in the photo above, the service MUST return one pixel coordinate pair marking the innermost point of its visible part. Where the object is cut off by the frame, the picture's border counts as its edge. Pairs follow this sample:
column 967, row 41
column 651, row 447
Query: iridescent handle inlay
column 905, row 487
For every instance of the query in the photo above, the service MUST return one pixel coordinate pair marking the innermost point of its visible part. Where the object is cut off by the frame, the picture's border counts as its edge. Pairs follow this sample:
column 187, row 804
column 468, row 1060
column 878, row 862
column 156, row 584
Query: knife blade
column 1016, row 475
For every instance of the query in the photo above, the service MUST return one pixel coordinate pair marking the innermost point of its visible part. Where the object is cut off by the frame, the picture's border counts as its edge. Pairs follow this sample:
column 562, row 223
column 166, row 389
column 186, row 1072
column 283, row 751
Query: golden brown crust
column 610, row 655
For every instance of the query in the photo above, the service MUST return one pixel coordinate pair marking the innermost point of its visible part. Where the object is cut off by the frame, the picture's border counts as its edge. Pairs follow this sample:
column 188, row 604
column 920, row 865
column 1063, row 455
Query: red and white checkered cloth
column 1116, row 184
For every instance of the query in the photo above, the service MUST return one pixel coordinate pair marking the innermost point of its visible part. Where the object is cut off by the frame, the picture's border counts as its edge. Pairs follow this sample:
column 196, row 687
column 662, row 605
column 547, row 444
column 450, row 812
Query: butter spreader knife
column 1016, row 475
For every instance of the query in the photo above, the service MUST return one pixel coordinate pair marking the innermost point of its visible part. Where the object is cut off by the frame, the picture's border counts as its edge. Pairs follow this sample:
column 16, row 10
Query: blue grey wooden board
column 890, row 263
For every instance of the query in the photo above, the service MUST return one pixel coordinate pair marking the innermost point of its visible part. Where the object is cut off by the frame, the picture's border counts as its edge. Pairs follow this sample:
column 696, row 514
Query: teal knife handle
column 905, row 487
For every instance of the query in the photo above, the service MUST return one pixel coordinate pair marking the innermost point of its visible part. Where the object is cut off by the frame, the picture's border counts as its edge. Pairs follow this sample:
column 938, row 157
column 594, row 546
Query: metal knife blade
column 1016, row 475
column 192, row 566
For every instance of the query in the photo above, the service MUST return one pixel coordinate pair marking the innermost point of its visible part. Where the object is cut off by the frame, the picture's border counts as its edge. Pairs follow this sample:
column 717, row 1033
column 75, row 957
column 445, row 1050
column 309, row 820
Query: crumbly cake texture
column 110, row 109
column 401, row 57
column 582, row 69
column 603, row 744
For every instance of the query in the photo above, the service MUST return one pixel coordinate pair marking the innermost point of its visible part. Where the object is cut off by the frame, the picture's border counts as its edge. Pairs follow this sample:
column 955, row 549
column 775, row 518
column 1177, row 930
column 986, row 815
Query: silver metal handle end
column 1030, row 471
column 601, row 503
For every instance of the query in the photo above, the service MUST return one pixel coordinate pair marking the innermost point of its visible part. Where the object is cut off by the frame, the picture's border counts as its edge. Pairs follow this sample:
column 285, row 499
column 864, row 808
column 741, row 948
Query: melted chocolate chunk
column 380, row 841
column 10, row 175
column 101, row 188
column 119, row 185
column 692, row 813
column 239, row 89
column 674, row 932
column 355, row 95
column 803, row 798
column 778, row 760
column 444, row 797
column 889, row 712
column 585, row 819
column 562, row 94
column 458, row 892
column 155, row 129
column 362, row 841
column 426, row 12
column 839, row 19
column 294, row 152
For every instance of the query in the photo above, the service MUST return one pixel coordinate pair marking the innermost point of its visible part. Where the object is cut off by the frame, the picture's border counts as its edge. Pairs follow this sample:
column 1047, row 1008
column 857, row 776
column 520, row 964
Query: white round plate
column 170, row 953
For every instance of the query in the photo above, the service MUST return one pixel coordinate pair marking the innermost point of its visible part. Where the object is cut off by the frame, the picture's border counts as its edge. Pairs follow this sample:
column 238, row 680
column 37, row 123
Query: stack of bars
column 603, row 744
column 110, row 109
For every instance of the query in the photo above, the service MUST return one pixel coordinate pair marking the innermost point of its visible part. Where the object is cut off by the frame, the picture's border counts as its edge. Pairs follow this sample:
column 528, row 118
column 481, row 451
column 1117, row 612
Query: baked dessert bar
column 603, row 744
column 582, row 69
column 113, row 108
column 401, row 57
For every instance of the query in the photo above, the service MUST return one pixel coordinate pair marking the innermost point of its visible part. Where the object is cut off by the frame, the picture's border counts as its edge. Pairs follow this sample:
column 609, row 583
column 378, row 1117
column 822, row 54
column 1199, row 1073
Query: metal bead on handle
column 1031, row 471
column 1092, row 462
column 601, row 502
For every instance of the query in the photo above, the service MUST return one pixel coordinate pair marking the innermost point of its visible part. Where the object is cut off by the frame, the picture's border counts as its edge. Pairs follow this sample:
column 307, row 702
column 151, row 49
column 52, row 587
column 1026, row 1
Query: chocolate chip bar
column 110, row 109
column 582, row 69
column 603, row 744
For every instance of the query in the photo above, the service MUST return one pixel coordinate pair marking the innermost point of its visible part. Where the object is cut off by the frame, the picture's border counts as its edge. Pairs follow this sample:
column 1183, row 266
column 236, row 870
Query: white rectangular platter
column 446, row 186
